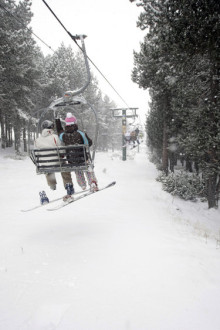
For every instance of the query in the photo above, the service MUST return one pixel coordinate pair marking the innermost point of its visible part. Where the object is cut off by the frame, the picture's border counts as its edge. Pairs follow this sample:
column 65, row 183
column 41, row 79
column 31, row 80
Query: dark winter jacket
column 72, row 136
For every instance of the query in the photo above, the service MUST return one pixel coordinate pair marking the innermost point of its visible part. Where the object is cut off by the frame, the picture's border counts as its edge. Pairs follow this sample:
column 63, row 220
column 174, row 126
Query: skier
column 50, row 140
column 71, row 136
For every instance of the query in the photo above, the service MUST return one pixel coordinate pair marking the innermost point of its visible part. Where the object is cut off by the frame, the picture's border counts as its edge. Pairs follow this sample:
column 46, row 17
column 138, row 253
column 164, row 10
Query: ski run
column 131, row 257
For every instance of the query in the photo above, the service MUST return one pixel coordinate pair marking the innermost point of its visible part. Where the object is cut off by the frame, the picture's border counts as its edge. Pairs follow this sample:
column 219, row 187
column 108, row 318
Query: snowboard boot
column 69, row 188
column 70, row 191
column 94, row 186
column 68, row 198
column 43, row 198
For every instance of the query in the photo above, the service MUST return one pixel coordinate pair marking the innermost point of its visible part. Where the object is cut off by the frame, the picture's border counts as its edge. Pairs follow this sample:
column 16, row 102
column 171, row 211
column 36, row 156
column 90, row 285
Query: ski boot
column 43, row 198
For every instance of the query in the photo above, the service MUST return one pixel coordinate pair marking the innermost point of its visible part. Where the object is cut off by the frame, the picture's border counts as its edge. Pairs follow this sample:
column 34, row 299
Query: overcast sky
column 112, row 36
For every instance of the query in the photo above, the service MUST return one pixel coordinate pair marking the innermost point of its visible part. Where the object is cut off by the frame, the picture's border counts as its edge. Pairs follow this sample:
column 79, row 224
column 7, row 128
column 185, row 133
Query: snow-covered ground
column 131, row 257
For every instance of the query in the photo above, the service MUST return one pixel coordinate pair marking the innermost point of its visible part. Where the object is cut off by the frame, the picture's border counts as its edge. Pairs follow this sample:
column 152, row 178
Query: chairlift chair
column 59, row 159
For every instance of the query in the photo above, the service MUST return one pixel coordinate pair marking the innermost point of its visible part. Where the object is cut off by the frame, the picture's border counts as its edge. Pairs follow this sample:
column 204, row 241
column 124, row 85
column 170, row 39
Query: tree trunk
column 196, row 165
column 165, row 150
column 3, row 137
column 7, row 133
column 211, row 191
column 24, row 139
column 214, row 89
column 189, row 165
column 17, row 132
column 172, row 159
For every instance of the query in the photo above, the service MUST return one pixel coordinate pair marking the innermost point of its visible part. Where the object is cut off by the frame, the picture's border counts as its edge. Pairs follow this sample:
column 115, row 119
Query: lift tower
column 124, row 113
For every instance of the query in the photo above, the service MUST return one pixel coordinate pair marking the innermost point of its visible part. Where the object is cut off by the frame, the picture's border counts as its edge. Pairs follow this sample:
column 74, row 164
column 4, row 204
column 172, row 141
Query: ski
column 52, row 201
column 80, row 197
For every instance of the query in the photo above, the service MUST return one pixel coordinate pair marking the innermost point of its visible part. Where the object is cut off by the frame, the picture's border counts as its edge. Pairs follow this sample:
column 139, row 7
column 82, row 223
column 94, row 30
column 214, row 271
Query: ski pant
column 51, row 179
column 67, row 178
column 80, row 177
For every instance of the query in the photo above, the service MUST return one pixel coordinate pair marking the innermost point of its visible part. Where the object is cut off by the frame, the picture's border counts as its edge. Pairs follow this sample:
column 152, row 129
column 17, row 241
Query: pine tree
column 18, row 68
column 194, row 27
column 186, row 36
column 153, row 69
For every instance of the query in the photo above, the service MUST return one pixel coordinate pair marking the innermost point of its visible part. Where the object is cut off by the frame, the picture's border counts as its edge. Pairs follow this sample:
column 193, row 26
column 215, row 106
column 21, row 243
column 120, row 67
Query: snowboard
column 75, row 199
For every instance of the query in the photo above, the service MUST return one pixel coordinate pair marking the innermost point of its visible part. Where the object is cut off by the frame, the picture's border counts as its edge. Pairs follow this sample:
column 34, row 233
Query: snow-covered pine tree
column 189, row 30
column 6, row 65
column 19, row 72
column 153, row 66
column 195, row 29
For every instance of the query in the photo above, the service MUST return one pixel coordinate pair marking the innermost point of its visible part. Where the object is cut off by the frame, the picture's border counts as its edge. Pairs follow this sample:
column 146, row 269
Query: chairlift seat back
column 62, row 159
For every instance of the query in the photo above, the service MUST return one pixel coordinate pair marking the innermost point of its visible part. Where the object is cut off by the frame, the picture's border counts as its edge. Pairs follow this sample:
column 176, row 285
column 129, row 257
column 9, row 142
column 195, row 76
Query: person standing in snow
column 71, row 136
column 50, row 140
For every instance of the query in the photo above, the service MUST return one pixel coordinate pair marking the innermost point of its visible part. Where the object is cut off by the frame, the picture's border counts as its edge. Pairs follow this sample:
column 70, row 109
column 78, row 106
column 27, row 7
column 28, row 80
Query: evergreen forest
column 179, row 62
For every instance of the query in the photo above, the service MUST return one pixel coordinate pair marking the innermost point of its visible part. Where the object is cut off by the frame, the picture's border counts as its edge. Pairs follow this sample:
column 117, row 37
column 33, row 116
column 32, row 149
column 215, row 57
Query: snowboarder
column 50, row 140
column 71, row 136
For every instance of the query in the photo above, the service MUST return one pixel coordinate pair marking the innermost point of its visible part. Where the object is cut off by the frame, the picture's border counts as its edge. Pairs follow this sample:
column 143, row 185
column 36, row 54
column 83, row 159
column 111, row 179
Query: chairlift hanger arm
column 70, row 97
column 74, row 38
column 80, row 37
